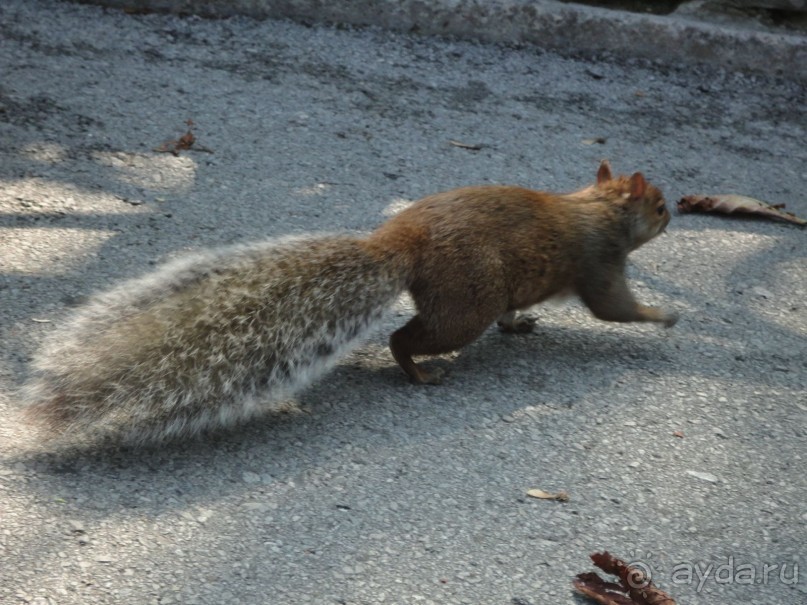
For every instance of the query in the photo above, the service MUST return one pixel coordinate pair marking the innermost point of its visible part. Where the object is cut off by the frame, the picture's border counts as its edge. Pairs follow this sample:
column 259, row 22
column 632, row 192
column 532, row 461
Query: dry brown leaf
column 730, row 204
column 185, row 142
column 560, row 496
column 597, row 589
column 679, row 434
column 634, row 588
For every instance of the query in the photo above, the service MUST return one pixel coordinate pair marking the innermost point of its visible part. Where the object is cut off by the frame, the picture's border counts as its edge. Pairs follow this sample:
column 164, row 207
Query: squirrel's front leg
column 610, row 299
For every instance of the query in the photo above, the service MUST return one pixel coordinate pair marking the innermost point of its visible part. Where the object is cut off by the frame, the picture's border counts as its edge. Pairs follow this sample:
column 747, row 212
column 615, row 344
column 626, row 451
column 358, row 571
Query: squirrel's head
column 642, row 202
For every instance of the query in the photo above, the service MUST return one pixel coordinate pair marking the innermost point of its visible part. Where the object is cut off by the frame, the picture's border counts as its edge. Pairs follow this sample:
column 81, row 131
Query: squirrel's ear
column 637, row 185
column 604, row 173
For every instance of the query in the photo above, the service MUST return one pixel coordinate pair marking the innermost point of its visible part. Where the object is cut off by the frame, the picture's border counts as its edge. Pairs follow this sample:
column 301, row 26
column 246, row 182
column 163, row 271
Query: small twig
column 465, row 145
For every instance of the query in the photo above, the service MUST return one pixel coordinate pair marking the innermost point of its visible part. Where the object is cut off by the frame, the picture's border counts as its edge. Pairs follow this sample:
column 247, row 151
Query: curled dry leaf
column 185, row 142
column 597, row 589
column 730, row 204
column 634, row 587
column 560, row 496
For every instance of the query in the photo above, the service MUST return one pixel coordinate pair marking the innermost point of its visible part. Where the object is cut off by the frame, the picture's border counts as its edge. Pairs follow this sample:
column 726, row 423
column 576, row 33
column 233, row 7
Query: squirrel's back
column 209, row 340
column 494, row 241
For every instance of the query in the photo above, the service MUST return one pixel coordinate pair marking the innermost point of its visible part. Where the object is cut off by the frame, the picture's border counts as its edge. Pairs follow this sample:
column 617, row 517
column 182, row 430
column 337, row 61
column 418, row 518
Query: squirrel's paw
column 433, row 376
column 670, row 319
column 657, row 315
column 511, row 323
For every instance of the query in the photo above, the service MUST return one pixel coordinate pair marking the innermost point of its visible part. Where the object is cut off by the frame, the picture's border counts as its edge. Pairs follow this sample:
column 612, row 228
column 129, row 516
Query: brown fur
column 481, row 253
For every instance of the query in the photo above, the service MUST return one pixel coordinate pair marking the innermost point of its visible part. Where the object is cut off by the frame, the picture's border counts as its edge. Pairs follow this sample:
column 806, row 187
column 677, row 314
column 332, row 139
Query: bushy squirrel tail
column 209, row 340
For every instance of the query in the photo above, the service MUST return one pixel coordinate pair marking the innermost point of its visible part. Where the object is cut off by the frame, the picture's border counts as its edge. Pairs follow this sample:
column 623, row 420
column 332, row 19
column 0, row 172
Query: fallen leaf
column 634, row 587
column 560, row 496
column 597, row 589
column 730, row 204
column 40, row 321
column 595, row 141
column 186, row 142
column 679, row 434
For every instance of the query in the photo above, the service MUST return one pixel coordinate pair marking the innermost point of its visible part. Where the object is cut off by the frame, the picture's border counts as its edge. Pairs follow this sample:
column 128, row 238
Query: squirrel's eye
column 660, row 210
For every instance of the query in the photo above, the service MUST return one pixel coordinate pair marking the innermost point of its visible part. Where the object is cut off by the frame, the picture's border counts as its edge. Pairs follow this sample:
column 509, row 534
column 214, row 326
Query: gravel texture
column 677, row 448
column 717, row 33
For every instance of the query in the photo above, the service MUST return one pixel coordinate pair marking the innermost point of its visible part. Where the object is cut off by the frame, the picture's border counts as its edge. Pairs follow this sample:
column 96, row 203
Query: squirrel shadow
column 367, row 392
column 365, row 405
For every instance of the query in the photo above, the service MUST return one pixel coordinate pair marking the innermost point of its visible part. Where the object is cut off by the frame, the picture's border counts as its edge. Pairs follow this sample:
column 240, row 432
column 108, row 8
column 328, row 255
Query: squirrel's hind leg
column 417, row 338
column 514, row 322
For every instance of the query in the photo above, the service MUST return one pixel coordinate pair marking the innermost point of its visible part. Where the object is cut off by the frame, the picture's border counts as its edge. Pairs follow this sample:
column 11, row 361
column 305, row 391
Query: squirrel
column 213, row 339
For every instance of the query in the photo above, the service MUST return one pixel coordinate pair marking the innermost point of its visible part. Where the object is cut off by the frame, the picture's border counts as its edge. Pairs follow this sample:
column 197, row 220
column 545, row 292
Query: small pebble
column 250, row 477
column 703, row 476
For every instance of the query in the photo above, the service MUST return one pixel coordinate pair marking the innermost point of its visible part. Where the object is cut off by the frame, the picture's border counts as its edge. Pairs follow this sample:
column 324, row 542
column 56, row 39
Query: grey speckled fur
column 209, row 340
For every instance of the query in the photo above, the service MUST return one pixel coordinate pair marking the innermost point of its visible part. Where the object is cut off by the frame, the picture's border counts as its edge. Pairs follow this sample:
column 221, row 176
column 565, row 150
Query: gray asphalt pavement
column 682, row 449
column 735, row 33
